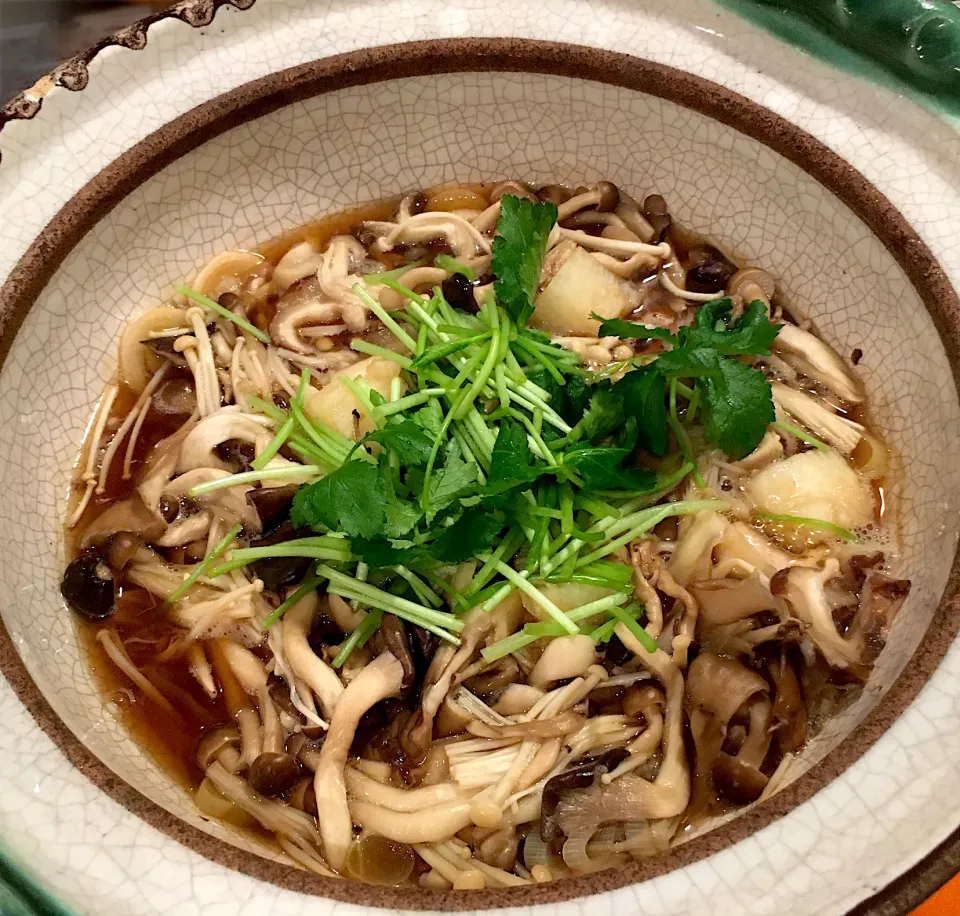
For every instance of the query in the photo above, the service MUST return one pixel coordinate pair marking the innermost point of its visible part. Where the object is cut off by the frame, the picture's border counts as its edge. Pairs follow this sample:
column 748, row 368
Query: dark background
column 36, row 35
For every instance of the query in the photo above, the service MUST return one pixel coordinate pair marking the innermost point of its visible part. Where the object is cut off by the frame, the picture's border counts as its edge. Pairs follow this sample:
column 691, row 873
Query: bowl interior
column 368, row 141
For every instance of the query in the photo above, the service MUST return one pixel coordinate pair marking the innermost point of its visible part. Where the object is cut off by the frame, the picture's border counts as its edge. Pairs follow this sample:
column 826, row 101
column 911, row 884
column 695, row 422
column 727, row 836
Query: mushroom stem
column 377, row 681
column 304, row 662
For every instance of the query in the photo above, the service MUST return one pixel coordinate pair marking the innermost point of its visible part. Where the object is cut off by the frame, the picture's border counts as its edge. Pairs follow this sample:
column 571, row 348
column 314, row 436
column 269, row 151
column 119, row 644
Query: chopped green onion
column 203, row 566
column 385, row 275
column 224, row 313
column 817, row 523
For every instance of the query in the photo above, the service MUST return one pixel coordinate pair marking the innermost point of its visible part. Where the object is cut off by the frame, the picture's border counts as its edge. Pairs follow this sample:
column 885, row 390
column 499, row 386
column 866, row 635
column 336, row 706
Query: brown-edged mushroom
column 804, row 590
column 708, row 270
column 789, row 708
column 89, row 586
column 272, row 774
column 657, row 215
column 214, row 743
column 604, row 196
column 739, row 777
column 752, row 284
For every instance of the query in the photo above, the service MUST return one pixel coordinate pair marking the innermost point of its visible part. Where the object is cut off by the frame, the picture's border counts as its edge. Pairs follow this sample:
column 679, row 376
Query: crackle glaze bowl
column 221, row 124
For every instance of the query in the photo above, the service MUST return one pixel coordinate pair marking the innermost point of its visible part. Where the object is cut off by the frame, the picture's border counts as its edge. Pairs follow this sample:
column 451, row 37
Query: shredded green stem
column 274, row 446
column 240, row 322
column 453, row 266
column 785, row 427
column 818, row 523
column 646, row 640
column 203, row 566
column 309, row 585
column 359, row 637
column 302, row 470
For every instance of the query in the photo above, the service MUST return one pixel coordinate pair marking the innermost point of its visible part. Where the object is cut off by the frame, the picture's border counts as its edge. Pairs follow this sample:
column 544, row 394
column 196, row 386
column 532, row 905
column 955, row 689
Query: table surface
column 36, row 34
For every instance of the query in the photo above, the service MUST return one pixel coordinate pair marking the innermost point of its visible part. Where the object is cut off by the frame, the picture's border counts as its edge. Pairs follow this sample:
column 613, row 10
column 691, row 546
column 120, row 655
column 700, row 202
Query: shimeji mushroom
column 841, row 433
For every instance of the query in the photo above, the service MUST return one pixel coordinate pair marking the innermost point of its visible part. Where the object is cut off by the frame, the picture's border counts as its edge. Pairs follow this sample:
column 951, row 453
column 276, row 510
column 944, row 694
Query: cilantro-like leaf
column 604, row 412
column 430, row 418
column 643, row 394
column 738, row 407
column 710, row 313
column 600, row 469
column 511, row 464
column 471, row 534
column 351, row 498
column 627, row 330
column 407, row 439
column 569, row 400
column 379, row 552
column 518, row 251
column 401, row 516
column 455, row 479
column 751, row 335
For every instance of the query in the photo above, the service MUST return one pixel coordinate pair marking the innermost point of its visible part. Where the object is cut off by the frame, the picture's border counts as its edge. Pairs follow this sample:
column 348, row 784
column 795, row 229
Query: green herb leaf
column 471, row 534
column 511, row 464
column 351, row 498
column 600, row 469
column 402, row 516
column 627, row 330
column 751, row 335
column 518, row 251
column 380, row 553
column 430, row 418
column 604, row 412
column 643, row 394
column 455, row 479
column 406, row 439
column 738, row 407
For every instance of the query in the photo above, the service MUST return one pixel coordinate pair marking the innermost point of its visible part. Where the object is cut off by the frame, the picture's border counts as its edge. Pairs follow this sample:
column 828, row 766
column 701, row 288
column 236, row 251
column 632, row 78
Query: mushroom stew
column 483, row 536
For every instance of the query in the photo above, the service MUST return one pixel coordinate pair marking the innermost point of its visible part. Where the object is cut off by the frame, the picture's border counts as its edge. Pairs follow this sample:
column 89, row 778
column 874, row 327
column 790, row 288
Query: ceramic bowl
column 226, row 123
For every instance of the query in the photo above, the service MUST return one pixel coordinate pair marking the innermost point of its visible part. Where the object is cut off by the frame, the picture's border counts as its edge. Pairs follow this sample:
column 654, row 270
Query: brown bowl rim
column 433, row 57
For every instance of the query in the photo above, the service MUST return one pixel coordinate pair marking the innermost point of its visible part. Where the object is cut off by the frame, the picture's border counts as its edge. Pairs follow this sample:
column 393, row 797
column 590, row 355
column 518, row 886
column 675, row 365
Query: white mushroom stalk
column 812, row 357
column 378, row 680
column 616, row 246
column 303, row 661
column 667, row 283
column 841, row 433
column 462, row 237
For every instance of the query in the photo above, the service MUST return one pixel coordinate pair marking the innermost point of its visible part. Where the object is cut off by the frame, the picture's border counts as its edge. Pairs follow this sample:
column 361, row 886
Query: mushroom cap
column 555, row 194
column 609, row 196
column 740, row 782
column 213, row 742
column 272, row 774
column 89, row 587
column 516, row 188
